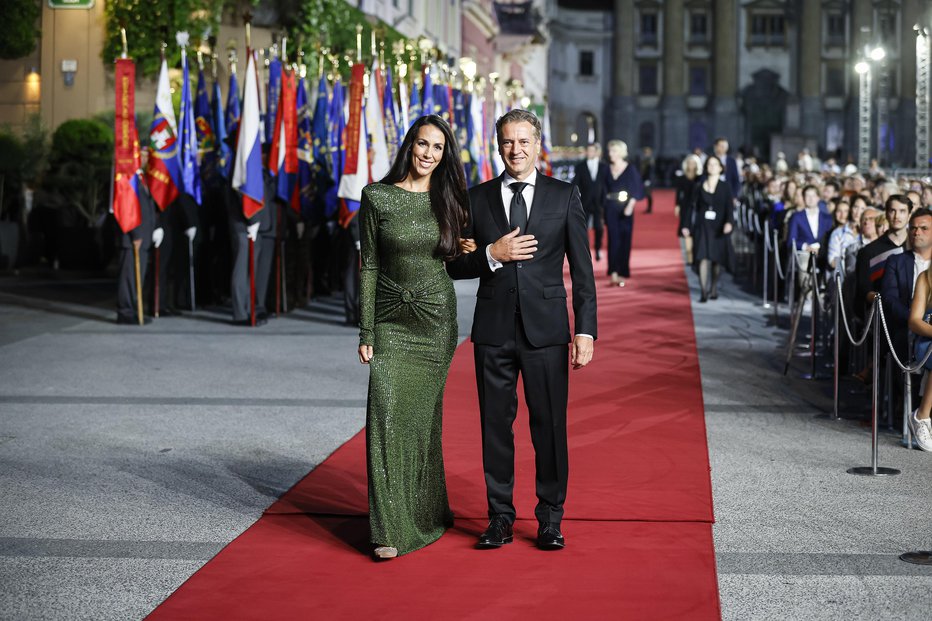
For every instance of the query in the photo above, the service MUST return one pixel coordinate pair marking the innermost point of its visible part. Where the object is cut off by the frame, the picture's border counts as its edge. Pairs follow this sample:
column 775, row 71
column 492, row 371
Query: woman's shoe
column 713, row 296
column 385, row 552
column 614, row 279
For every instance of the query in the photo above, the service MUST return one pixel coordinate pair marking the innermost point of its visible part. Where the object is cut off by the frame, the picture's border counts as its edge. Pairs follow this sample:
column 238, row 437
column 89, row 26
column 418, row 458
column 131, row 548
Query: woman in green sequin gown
column 408, row 333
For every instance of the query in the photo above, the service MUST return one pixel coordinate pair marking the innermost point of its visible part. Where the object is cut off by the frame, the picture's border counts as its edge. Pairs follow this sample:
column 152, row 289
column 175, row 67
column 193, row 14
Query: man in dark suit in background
column 521, row 322
column 590, row 179
column 141, row 236
column 732, row 178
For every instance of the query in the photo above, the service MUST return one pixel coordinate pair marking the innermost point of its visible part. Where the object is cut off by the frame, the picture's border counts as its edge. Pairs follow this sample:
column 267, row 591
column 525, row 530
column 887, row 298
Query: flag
column 498, row 166
column 375, row 127
column 336, row 126
column 283, row 154
column 247, row 168
column 190, row 171
column 545, row 147
column 232, row 127
column 356, row 168
column 473, row 122
column 271, row 101
column 221, row 153
column 392, row 135
column 402, row 108
column 414, row 106
column 427, row 105
column 163, row 171
column 305, row 178
column 126, row 160
column 204, row 123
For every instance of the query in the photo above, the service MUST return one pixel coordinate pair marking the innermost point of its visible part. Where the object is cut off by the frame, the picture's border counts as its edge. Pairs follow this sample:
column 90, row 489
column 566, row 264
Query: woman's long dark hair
column 448, row 198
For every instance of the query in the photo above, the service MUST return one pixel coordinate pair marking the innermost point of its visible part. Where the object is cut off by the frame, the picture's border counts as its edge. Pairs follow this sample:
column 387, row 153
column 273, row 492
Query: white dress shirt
column 921, row 265
column 593, row 165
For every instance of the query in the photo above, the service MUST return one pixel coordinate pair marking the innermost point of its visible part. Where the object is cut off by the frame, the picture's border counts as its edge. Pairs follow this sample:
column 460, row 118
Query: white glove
column 300, row 227
column 252, row 231
column 157, row 236
column 190, row 233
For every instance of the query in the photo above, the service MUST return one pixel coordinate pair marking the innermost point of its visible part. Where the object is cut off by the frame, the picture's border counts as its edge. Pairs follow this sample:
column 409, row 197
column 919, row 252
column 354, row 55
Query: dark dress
column 710, row 213
column 408, row 316
column 621, row 227
column 684, row 197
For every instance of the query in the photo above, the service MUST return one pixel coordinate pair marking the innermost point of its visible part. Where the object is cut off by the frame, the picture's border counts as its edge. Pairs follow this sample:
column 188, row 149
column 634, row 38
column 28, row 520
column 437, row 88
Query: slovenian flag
column 163, row 171
column 190, row 171
column 247, row 168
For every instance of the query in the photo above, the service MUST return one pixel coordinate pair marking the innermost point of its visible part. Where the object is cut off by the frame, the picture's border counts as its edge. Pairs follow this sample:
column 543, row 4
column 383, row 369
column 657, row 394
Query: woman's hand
column 629, row 208
column 727, row 228
column 468, row 245
column 684, row 231
column 365, row 354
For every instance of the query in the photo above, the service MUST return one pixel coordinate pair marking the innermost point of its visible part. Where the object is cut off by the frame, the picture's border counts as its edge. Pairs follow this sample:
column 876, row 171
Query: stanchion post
column 791, row 281
column 907, row 408
column 764, row 302
column 836, row 344
column 874, row 469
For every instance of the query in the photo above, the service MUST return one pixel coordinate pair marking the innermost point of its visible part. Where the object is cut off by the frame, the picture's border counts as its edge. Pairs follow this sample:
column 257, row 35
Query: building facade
column 769, row 75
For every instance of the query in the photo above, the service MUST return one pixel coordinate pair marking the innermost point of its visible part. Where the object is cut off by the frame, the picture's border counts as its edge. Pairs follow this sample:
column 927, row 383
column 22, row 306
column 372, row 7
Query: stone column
column 619, row 113
column 809, row 69
column 674, row 131
column 725, row 90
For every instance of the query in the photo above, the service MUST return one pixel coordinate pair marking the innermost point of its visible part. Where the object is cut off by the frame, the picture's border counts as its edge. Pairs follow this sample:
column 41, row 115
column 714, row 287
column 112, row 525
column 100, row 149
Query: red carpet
column 638, row 512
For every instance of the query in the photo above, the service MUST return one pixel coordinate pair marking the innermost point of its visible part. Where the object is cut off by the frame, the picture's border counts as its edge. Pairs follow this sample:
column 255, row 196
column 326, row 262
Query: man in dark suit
column 141, row 237
column 899, row 279
column 731, row 176
column 521, row 321
column 590, row 179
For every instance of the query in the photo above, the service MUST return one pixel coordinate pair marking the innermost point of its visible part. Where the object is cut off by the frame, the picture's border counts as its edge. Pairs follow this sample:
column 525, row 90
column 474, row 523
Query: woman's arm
column 368, row 274
column 917, row 309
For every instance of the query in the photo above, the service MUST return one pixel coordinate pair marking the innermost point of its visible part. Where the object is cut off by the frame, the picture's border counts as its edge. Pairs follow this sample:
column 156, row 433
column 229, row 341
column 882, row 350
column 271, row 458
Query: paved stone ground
column 128, row 456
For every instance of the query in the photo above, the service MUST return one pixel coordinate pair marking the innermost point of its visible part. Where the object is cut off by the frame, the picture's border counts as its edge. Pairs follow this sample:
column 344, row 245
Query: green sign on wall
column 71, row 4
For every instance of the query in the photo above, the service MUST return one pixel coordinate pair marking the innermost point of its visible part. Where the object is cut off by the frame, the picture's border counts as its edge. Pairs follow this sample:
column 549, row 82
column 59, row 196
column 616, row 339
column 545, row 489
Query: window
column 648, row 32
column 767, row 30
column 834, row 81
column 835, row 30
column 698, row 80
column 586, row 63
column 647, row 79
column 886, row 23
column 698, row 27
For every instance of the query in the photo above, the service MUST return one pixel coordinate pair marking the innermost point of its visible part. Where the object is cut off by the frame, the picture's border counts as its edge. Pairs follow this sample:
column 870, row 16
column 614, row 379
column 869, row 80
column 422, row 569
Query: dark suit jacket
column 799, row 230
column 896, row 294
column 559, row 224
column 590, row 191
column 731, row 175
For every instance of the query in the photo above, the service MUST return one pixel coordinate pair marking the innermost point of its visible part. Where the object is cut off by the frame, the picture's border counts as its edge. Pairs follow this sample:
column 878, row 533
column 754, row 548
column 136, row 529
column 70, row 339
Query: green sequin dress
column 408, row 314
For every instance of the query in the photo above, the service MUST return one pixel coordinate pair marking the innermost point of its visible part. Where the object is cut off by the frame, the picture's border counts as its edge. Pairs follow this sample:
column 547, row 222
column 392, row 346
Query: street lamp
column 864, row 114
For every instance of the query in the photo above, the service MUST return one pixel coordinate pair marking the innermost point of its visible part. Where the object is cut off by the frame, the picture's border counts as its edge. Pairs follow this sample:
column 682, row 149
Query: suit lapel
column 537, row 205
column 496, row 206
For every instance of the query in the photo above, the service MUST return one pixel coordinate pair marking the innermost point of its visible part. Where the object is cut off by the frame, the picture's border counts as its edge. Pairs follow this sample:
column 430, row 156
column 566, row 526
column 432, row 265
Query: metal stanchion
column 874, row 469
column 907, row 440
column 813, row 318
column 764, row 302
column 791, row 280
column 836, row 344
column 888, row 392
column 776, row 273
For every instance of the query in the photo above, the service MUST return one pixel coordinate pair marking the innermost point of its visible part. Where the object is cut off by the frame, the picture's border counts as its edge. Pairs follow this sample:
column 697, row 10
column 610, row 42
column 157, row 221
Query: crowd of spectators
column 873, row 231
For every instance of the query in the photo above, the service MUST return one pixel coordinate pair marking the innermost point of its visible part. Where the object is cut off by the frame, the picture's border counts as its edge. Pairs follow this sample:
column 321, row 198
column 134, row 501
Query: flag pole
column 247, row 18
column 136, row 244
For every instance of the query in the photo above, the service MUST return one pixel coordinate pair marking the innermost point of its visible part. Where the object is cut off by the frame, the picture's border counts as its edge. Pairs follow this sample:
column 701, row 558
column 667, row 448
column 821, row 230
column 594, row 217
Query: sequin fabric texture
column 408, row 315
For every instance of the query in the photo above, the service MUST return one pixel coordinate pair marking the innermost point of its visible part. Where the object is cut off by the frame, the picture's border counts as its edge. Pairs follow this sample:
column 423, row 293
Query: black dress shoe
column 549, row 537
column 169, row 312
column 497, row 534
column 247, row 323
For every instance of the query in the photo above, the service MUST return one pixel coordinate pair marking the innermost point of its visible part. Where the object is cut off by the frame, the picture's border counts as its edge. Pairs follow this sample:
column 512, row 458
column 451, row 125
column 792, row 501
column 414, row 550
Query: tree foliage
column 150, row 22
column 20, row 28
column 79, row 168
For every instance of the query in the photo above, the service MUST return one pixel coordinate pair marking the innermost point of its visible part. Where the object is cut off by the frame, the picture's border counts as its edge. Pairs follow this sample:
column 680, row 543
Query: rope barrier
column 886, row 332
column 844, row 316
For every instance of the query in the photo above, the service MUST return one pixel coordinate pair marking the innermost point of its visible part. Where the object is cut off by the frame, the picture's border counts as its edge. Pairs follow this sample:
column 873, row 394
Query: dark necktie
column 518, row 212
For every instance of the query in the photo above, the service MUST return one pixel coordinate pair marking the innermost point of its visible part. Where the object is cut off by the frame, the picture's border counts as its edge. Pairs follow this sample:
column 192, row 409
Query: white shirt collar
column 531, row 179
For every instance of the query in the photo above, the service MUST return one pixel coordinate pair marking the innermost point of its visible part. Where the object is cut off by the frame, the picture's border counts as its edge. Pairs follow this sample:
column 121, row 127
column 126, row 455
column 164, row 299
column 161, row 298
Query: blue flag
column 232, row 127
column 428, row 103
column 190, row 173
column 222, row 150
column 336, row 125
column 393, row 137
column 414, row 107
column 274, row 94
column 313, row 148
column 204, row 126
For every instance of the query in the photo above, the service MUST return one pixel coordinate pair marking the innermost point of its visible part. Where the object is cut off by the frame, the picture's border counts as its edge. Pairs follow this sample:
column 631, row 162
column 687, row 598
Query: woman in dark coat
column 712, row 223
column 685, row 185
column 623, row 188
